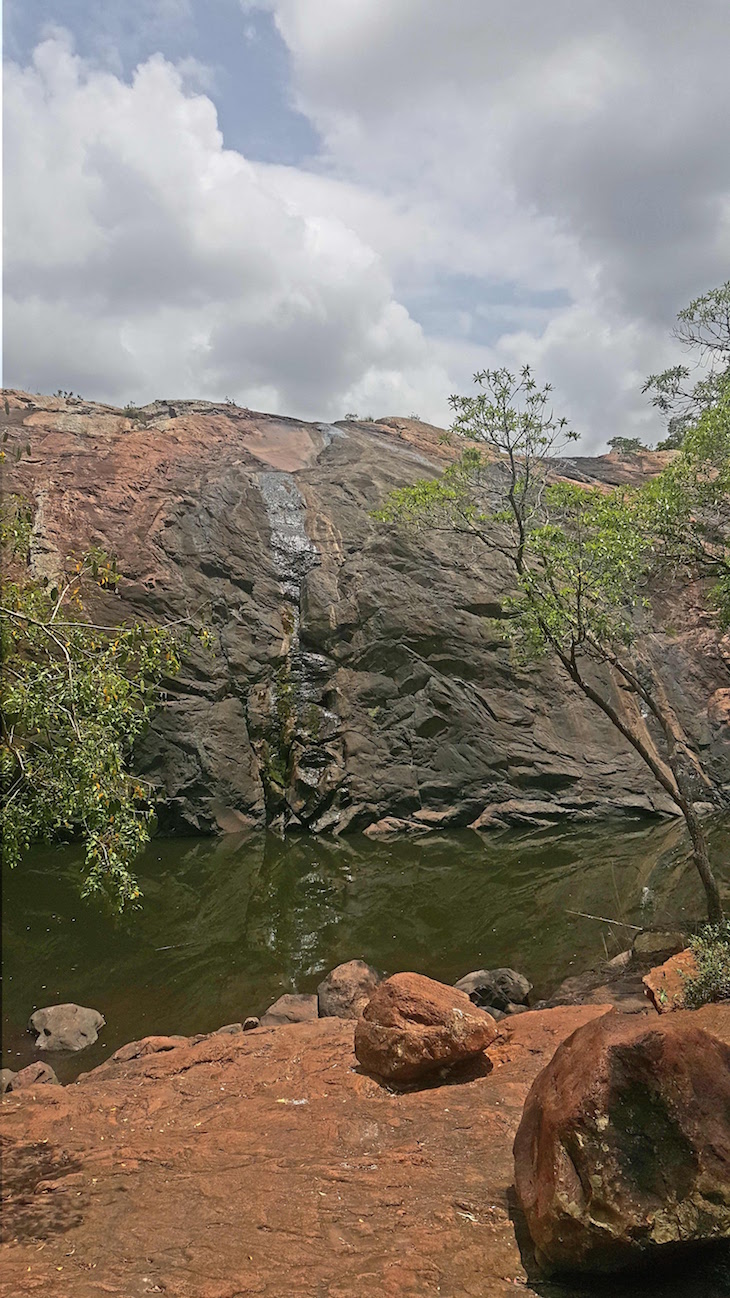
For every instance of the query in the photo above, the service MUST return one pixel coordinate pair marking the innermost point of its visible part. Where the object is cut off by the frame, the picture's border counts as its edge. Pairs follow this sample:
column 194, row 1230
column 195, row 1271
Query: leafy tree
column 581, row 560
column 75, row 696
column 626, row 445
column 703, row 327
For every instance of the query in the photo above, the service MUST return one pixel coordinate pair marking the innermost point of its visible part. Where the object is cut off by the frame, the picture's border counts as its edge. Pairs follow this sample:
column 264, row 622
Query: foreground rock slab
column 414, row 1026
column 623, row 1150
column 198, row 1172
column 66, row 1027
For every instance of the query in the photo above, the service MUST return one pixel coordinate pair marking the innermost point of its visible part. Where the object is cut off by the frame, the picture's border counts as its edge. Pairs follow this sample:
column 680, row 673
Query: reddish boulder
column 291, row 1008
column 666, row 983
column 413, row 1026
column 623, row 1150
column 148, row 1046
column 345, row 992
column 32, row 1075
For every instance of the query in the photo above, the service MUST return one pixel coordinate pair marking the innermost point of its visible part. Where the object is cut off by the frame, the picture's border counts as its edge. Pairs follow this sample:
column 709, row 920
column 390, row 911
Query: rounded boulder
column 413, row 1026
column 66, row 1027
column 623, row 1151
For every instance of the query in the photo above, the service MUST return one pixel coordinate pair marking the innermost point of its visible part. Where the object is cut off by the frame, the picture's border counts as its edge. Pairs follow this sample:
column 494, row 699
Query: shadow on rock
column 35, row 1202
column 705, row 1273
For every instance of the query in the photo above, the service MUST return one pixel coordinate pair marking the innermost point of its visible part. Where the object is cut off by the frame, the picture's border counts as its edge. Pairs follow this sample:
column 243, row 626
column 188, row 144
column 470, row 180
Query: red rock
column 413, row 1026
column 148, row 1046
column 665, row 984
column 32, row 1075
column 345, row 992
column 291, row 1008
column 624, row 1145
column 210, row 1182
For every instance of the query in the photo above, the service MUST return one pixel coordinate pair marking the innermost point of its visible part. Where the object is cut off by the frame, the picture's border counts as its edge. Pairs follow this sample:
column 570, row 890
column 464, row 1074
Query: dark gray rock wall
column 355, row 678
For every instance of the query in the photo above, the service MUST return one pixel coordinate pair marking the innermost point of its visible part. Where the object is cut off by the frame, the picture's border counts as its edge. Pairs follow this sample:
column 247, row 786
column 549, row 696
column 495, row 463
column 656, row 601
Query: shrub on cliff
column 711, row 950
column 75, row 695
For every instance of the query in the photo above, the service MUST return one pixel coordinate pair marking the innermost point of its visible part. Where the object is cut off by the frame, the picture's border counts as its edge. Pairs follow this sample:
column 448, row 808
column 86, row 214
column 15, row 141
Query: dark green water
column 229, row 924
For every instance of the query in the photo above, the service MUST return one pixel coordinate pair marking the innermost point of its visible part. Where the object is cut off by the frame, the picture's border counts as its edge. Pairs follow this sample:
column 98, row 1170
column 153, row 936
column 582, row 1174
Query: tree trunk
column 701, row 859
column 673, row 780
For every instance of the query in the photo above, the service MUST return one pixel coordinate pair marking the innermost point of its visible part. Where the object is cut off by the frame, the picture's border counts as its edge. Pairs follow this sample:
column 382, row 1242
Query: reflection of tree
column 228, row 924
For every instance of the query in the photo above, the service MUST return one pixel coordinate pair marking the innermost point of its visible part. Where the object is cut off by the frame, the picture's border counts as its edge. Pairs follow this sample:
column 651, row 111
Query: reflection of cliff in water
column 228, row 924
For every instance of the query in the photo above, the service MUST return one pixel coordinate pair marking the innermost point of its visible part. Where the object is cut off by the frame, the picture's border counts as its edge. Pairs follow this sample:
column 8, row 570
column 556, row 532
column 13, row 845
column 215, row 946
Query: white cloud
column 572, row 145
column 536, row 182
column 144, row 258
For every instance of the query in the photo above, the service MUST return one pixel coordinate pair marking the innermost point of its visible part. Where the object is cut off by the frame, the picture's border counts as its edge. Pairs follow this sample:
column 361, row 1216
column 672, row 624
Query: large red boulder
column 623, row 1151
column 413, row 1026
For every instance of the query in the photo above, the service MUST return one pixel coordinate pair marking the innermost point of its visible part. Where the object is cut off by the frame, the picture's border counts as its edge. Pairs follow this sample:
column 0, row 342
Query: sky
column 321, row 207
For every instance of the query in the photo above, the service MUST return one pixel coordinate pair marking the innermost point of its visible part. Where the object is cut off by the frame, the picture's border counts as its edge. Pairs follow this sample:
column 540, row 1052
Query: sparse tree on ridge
column 582, row 560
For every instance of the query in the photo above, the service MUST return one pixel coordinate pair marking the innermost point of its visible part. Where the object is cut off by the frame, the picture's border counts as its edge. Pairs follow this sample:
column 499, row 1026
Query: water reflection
column 229, row 924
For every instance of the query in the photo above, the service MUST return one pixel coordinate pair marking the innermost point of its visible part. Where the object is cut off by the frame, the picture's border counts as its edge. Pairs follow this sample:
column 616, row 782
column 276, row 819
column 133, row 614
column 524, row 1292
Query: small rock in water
column 345, row 992
column 66, row 1027
column 653, row 944
column 250, row 1023
column 493, row 1012
column 6, row 1077
column 291, row 1008
column 36, row 1074
column 413, row 1026
column 497, row 987
column 231, row 1028
column 623, row 1151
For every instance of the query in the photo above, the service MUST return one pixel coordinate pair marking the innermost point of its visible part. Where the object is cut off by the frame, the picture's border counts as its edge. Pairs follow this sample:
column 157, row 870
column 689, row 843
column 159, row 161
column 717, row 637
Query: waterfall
column 295, row 752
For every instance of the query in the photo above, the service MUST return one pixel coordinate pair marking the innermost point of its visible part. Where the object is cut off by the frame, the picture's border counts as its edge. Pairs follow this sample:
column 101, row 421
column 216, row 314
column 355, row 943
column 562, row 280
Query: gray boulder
column 501, row 988
column 658, row 944
column 66, row 1027
column 6, row 1077
column 291, row 1008
column 345, row 992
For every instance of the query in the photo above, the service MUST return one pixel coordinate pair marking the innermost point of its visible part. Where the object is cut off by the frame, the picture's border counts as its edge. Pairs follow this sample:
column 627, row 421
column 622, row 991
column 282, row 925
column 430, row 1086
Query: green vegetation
column 75, row 697
column 626, row 445
column 703, row 327
column 711, row 950
column 583, row 560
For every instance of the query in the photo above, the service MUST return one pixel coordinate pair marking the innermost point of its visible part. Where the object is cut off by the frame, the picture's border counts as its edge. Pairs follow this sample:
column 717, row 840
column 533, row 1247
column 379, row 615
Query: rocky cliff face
column 355, row 677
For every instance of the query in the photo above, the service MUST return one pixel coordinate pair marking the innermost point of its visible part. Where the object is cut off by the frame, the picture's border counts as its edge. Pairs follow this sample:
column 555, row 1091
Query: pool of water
column 229, row 924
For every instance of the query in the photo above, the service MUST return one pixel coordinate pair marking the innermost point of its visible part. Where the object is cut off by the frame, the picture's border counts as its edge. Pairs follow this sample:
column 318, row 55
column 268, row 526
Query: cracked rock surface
column 356, row 682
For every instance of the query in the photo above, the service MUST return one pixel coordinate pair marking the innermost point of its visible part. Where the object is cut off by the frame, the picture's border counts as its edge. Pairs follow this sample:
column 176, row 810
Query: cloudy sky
column 324, row 206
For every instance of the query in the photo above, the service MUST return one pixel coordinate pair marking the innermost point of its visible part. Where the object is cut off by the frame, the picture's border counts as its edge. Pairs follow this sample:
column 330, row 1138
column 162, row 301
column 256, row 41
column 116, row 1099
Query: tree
column 626, row 445
column 703, row 327
column 75, row 696
column 581, row 560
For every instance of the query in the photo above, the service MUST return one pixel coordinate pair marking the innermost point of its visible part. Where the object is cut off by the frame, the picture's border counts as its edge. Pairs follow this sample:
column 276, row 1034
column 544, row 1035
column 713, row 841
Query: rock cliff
column 357, row 678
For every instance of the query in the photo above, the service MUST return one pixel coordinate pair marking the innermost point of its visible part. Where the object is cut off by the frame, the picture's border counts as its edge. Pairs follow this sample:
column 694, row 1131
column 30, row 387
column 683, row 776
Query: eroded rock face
column 414, row 1026
column 356, row 681
column 346, row 990
column 66, row 1027
column 623, row 1150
